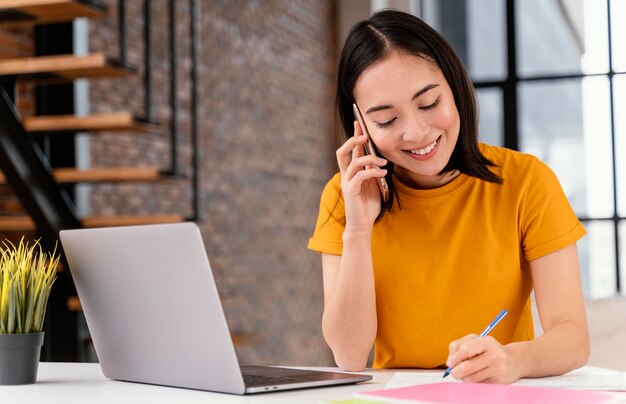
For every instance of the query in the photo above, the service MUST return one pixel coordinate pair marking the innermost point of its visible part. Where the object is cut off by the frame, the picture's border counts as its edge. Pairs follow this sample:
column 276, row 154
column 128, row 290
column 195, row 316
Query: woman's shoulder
column 509, row 163
column 332, row 189
column 334, row 183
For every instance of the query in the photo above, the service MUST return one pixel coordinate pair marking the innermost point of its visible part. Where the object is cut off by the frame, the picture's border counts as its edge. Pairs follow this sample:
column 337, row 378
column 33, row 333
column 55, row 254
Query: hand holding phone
column 370, row 149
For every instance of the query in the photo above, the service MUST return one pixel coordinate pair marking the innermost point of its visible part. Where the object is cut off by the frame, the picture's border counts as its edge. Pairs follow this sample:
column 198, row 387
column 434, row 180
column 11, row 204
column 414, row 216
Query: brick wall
column 18, row 42
column 266, row 89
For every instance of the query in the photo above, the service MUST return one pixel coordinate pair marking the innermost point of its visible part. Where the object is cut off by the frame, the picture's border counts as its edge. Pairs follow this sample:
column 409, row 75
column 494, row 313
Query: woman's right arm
column 349, row 322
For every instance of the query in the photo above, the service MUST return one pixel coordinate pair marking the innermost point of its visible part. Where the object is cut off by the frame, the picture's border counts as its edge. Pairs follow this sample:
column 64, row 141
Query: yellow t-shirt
column 453, row 257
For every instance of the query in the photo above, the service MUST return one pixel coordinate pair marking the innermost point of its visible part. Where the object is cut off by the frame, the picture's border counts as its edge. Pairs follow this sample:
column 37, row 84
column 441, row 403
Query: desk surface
column 69, row 383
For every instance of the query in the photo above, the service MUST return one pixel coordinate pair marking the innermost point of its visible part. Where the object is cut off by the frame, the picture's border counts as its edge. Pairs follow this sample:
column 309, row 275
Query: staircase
column 33, row 194
column 54, row 69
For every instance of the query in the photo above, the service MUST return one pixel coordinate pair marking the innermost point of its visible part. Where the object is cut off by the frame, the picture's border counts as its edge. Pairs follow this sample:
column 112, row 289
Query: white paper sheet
column 585, row 378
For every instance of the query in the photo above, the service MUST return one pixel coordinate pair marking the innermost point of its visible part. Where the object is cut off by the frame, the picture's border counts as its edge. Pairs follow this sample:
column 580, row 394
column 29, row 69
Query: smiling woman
column 415, row 130
column 469, row 229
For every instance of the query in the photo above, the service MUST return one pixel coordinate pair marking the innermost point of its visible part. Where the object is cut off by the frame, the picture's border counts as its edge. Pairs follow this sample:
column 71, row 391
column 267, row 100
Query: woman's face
column 411, row 116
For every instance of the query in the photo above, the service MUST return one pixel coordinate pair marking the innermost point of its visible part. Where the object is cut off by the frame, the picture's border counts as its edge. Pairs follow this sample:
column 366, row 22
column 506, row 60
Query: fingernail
column 382, row 161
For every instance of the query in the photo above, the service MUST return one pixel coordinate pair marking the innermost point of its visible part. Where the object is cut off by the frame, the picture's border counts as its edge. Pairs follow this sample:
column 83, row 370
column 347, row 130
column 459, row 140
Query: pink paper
column 482, row 393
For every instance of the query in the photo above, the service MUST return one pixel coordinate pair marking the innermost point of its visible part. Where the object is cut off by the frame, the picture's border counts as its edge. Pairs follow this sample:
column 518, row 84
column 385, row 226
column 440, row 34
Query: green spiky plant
column 26, row 278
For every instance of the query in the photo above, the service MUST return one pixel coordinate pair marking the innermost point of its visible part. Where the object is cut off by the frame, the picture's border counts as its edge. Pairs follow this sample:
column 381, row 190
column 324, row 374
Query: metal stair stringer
column 30, row 179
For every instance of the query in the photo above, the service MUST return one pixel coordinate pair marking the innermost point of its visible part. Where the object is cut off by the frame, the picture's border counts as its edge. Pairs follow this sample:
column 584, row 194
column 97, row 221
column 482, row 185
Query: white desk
column 68, row 383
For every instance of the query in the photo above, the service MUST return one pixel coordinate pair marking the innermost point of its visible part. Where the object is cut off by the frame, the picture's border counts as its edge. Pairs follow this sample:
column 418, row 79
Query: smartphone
column 370, row 149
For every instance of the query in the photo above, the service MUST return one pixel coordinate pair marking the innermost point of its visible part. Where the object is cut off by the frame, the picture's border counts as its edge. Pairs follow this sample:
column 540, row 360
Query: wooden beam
column 48, row 11
column 110, row 174
column 113, row 174
column 25, row 223
column 130, row 220
column 16, row 223
column 100, row 122
column 62, row 67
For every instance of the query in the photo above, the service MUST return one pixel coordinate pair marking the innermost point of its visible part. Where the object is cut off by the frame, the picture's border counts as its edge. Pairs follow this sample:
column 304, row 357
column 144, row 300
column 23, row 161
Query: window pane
column 618, row 33
column 487, row 42
column 619, row 87
column 481, row 45
column 566, row 123
column 597, row 259
column 561, row 37
column 490, row 119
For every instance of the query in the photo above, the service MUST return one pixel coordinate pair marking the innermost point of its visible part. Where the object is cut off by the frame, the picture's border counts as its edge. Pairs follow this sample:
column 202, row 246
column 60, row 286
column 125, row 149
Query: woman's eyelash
column 431, row 106
column 383, row 125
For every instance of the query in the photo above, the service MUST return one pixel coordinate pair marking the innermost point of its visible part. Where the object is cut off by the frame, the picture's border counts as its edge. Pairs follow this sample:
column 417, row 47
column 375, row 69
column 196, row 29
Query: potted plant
column 26, row 278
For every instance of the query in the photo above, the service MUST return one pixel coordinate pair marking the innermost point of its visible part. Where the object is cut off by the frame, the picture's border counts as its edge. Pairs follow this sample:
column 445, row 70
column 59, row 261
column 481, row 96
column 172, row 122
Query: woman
column 469, row 229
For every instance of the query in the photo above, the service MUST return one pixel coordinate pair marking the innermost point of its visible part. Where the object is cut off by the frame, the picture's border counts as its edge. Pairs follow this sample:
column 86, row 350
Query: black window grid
column 510, row 86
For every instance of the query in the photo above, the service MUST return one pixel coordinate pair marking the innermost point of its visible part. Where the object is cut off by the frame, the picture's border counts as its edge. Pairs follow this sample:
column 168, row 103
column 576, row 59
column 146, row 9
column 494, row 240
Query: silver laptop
column 155, row 316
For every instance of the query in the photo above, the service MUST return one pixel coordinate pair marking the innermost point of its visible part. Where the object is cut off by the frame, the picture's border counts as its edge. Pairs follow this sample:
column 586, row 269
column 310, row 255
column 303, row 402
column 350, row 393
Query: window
column 550, row 78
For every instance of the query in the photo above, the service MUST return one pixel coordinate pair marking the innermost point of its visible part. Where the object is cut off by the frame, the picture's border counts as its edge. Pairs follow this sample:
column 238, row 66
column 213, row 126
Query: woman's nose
column 417, row 129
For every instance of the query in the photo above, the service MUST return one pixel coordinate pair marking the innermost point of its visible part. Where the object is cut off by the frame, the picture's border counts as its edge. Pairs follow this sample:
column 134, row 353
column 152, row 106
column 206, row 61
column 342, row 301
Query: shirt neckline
column 448, row 188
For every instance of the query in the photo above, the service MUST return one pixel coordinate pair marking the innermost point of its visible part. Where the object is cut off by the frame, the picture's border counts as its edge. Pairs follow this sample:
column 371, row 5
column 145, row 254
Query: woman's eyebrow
column 423, row 90
column 417, row 94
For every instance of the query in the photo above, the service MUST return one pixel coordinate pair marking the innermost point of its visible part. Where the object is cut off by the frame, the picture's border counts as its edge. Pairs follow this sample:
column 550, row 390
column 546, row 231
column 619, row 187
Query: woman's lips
column 425, row 153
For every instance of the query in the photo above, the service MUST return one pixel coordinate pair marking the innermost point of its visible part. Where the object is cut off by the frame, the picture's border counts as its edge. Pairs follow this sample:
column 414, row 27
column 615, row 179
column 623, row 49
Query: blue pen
column 484, row 333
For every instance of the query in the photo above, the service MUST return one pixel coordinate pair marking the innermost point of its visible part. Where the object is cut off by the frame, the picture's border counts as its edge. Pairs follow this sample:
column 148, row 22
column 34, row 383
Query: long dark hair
column 371, row 41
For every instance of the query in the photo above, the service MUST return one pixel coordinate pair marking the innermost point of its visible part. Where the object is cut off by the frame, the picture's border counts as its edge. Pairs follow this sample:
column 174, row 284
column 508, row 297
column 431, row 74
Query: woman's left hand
column 476, row 360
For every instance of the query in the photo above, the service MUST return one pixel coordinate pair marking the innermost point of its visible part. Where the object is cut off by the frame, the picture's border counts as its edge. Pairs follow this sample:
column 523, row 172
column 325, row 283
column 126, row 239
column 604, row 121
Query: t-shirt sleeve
column 330, row 220
column 548, row 221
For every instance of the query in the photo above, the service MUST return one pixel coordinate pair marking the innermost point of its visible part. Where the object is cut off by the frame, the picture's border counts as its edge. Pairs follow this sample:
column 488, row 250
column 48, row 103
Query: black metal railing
column 195, row 107
column 147, row 60
column 28, row 174
column 174, row 169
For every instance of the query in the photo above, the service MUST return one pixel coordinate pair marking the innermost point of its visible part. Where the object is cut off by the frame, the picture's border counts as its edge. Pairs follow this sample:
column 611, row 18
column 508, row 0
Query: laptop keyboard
column 267, row 376
column 254, row 380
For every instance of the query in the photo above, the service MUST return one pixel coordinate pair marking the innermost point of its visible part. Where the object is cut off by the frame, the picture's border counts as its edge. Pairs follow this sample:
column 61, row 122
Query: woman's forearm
column 349, row 323
column 563, row 348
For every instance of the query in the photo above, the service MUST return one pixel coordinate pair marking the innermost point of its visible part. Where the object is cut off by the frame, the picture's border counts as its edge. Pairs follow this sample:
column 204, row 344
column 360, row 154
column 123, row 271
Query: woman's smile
column 424, row 153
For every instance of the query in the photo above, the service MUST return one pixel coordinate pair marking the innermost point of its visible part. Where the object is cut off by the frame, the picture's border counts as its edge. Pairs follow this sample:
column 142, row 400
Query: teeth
column 425, row 150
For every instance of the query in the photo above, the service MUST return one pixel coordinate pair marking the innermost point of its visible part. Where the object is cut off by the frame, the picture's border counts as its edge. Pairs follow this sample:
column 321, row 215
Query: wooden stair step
column 25, row 223
column 110, row 174
column 12, row 204
column 109, row 121
column 73, row 304
column 16, row 223
column 14, row 12
column 130, row 220
column 63, row 67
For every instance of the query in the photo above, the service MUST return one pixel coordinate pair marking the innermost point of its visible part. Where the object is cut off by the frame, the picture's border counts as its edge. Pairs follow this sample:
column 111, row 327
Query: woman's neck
column 417, row 181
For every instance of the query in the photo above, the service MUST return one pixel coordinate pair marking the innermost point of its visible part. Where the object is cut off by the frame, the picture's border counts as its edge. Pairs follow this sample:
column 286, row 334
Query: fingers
column 454, row 345
column 357, row 169
column 464, row 349
column 351, row 149
column 359, row 150
column 367, row 174
column 471, row 369
column 368, row 162
column 484, row 375
column 477, row 360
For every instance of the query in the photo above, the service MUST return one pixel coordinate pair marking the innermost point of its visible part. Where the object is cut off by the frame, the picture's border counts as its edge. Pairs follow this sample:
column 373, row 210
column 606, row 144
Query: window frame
column 510, row 89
